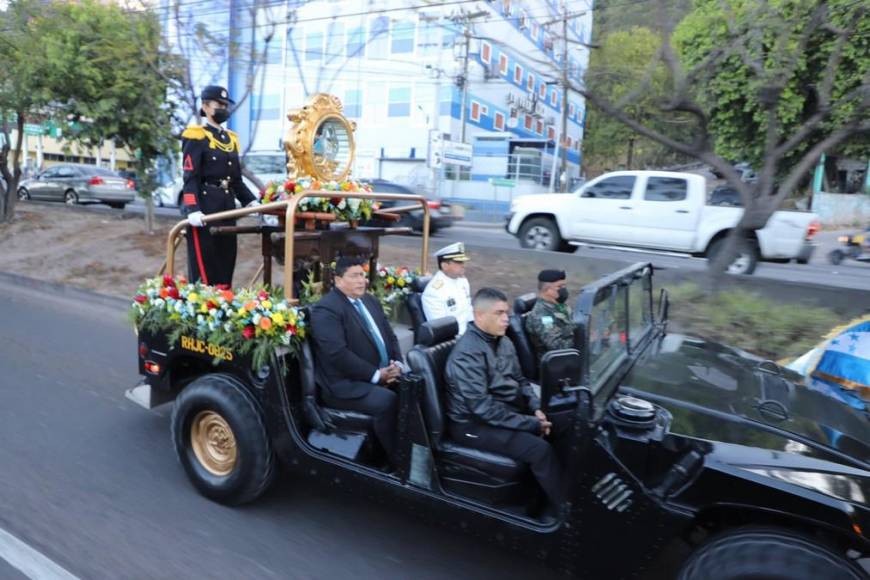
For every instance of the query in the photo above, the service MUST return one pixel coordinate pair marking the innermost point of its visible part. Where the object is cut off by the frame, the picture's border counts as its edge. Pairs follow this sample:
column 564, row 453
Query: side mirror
column 664, row 306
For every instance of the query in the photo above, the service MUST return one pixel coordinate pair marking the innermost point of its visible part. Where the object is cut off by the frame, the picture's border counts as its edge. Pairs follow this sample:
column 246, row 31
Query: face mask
column 220, row 116
column 563, row 295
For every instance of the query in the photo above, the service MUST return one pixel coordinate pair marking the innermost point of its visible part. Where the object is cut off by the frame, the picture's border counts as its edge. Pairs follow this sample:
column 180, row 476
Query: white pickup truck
column 655, row 210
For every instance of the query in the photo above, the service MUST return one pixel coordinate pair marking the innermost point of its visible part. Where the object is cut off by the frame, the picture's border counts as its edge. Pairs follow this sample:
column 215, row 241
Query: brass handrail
column 289, row 205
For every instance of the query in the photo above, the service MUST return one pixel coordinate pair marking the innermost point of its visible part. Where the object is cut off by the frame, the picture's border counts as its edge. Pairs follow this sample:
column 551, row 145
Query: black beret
column 551, row 275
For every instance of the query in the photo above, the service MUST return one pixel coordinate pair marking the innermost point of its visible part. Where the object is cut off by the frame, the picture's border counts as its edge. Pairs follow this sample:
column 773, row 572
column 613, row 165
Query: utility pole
column 463, row 114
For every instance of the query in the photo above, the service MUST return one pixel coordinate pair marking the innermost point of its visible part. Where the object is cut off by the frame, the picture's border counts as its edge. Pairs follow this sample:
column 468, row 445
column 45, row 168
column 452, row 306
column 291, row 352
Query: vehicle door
column 64, row 180
column 665, row 215
column 44, row 185
column 601, row 210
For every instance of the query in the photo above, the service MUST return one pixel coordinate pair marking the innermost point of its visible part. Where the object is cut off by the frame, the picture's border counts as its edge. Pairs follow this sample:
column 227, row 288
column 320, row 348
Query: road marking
column 28, row 561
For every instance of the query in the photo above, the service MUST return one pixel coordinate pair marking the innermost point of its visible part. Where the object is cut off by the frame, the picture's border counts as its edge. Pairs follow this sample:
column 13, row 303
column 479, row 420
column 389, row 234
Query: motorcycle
column 856, row 247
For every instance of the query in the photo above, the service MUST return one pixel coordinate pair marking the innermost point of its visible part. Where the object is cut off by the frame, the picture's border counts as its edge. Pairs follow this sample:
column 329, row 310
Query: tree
column 20, row 93
column 797, row 72
column 100, row 71
column 622, row 57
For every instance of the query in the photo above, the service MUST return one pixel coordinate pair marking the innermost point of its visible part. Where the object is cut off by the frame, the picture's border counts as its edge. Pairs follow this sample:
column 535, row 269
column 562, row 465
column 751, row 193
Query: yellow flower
column 267, row 304
column 390, row 279
column 203, row 308
column 278, row 318
column 192, row 297
column 291, row 319
column 401, row 282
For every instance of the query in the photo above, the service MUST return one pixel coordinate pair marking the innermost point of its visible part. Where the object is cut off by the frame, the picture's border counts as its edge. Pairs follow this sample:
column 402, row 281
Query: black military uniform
column 212, row 182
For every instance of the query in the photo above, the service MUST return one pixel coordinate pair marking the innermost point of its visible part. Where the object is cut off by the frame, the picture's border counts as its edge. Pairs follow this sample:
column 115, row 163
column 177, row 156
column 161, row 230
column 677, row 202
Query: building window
column 542, row 90
column 571, row 110
column 551, row 133
column 499, row 121
column 267, row 107
column 353, row 103
column 356, row 42
column 457, row 173
column 448, row 40
column 402, row 37
column 400, row 102
column 314, row 46
column 530, row 82
column 536, row 31
column 528, row 122
column 539, row 128
column 379, row 29
column 506, row 7
column 486, row 52
column 554, row 97
column 518, row 74
column 568, row 142
column 484, row 110
column 502, row 64
column 428, row 39
column 475, row 111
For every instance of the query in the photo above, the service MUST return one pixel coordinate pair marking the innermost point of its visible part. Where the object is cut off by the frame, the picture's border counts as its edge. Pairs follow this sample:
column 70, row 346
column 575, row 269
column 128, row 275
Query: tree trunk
column 149, row 213
column 9, row 192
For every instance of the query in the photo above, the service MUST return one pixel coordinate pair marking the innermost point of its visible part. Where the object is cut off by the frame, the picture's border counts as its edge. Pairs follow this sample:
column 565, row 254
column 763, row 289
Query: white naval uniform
column 446, row 296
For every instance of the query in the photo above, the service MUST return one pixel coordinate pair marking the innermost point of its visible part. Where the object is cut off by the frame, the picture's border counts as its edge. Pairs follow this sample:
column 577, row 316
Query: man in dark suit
column 357, row 354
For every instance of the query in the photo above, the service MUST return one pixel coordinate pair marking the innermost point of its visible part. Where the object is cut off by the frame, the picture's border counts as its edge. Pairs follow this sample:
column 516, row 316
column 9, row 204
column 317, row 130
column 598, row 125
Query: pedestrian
column 549, row 324
column 212, row 183
column 448, row 293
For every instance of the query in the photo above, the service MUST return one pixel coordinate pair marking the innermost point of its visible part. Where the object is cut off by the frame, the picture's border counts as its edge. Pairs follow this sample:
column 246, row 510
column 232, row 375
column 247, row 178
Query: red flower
column 210, row 304
column 291, row 329
column 289, row 186
column 248, row 332
column 173, row 293
column 168, row 281
column 335, row 200
column 140, row 298
column 222, row 286
column 263, row 295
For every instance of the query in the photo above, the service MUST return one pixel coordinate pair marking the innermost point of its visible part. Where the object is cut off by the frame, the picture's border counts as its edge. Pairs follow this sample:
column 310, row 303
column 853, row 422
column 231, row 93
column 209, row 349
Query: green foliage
column 770, row 33
column 748, row 321
column 625, row 58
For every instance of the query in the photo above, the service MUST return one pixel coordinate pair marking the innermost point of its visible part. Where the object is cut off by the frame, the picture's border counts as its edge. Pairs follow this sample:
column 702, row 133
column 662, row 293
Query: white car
column 656, row 210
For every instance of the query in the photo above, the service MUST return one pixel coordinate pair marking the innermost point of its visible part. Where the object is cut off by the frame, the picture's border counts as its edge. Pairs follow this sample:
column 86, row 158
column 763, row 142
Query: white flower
column 228, row 327
column 256, row 319
column 281, row 306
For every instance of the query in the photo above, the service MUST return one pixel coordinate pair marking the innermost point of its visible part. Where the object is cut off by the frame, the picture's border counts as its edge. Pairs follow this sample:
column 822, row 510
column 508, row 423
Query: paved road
column 90, row 480
column 848, row 274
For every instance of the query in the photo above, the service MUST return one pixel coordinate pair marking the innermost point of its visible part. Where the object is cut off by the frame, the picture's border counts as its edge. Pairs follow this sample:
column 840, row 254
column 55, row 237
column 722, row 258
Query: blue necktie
column 373, row 331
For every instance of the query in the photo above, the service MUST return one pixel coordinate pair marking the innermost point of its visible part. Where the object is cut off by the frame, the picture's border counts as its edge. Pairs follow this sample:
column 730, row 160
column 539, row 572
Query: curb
column 473, row 224
column 63, row 289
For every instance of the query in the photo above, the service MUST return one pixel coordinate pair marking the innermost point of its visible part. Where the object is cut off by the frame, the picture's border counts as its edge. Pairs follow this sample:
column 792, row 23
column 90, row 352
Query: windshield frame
column 592, row 295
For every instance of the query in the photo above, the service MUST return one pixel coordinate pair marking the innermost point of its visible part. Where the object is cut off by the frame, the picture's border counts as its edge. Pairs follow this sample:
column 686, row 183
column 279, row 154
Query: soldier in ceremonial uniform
column 448, row 293
column 212, row 183
column 549, row 323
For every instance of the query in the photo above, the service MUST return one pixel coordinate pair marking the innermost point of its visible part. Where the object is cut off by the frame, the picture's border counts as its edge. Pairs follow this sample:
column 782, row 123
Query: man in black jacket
column 490, row 404
column 356, row 351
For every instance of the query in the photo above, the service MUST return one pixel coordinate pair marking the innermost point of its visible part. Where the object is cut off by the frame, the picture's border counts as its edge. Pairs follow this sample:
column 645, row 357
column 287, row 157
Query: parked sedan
column 74, row 184
column 439, row 217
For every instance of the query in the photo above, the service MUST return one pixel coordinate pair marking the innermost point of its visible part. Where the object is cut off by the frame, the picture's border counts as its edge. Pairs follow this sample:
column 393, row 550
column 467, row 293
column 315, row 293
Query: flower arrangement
column 392, row 284
column 344, row 209
column 246, row 321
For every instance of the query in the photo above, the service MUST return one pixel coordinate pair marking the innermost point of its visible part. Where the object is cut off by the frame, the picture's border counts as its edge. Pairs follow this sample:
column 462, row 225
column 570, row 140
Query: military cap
column 454, row 252
column 216, row 93
column 551, row 275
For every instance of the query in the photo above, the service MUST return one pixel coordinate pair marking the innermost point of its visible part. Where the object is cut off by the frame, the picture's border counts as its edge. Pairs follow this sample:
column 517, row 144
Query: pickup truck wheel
column 746, row 260
column 540, row 234
column 768, row 553
column 221, row 440
column 836, row 256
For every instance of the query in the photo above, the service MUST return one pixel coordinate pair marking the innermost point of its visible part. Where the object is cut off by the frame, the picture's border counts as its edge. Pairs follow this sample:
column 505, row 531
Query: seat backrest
column 525, row 303
column 308, row 380
column 517, row 333
column 414, row 304
column 559, row 369
column 429, row 360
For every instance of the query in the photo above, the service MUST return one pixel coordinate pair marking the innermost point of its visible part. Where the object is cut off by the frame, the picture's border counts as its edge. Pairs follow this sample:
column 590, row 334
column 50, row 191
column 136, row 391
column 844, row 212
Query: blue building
column 413, row 76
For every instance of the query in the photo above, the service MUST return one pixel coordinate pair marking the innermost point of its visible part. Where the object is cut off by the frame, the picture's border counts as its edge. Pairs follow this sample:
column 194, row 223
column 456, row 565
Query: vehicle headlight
column 843, row 239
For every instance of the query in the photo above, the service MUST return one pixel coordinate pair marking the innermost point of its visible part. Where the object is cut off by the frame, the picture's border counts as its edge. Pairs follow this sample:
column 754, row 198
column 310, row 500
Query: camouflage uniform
column 549, row 327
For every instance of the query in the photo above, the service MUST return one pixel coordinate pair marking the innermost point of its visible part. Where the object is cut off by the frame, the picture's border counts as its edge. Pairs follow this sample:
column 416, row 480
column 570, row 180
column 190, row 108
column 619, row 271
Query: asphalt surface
column 90, row 480
column 849, row 274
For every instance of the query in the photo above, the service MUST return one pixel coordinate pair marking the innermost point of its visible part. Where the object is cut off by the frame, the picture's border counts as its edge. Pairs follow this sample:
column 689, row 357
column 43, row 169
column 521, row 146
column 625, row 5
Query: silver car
column 74, row 184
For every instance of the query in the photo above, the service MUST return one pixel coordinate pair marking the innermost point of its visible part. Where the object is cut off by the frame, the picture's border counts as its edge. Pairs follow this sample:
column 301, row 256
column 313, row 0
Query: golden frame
column 299, row 140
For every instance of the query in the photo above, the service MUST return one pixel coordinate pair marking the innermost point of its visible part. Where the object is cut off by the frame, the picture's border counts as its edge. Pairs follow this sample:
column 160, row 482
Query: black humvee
column 676, row 441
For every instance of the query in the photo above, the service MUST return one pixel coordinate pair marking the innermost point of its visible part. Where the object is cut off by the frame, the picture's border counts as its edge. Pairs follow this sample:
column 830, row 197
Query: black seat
column 525, row 303
column 414, row 304
column 319, row 416
column 486, row 476
column 525, row 352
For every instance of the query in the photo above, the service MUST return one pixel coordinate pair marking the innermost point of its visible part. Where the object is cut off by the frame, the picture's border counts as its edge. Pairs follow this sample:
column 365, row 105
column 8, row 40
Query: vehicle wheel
column 836, row 256
column 23, row 194
column 803, row 261
column 221, row 440
column 746, row 260
column 540, row 234
column 767, row 553
column 70, row 197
